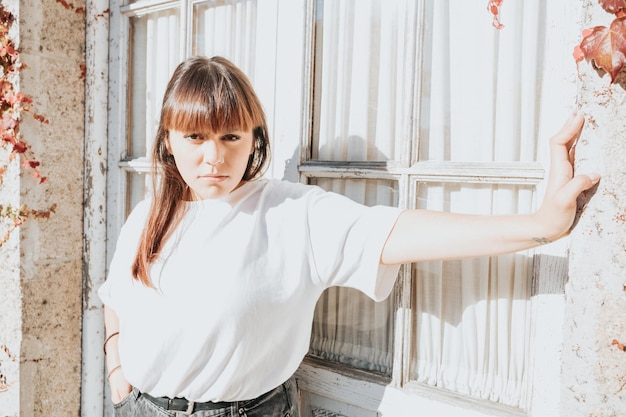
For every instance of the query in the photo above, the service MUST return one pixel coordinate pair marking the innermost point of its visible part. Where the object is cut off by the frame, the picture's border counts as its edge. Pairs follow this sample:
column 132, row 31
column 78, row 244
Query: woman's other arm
column 120, row 387
column 422, row 235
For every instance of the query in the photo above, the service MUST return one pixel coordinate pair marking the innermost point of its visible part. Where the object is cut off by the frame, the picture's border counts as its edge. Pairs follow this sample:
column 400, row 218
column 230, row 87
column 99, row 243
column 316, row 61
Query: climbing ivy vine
column 13, row 106
column 604, row 46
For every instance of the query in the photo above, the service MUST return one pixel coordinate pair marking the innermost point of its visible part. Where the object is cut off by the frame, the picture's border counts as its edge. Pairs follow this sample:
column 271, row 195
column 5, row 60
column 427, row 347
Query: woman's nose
column 212, row 152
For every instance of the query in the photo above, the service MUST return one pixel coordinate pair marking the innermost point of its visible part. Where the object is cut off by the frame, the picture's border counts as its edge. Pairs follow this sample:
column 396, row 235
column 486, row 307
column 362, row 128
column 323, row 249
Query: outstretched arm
column 422, row 235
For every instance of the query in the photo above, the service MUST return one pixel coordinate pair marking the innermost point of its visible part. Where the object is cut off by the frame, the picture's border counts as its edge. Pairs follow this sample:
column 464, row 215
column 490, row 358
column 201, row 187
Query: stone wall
column 594, row 367
column 44, row 279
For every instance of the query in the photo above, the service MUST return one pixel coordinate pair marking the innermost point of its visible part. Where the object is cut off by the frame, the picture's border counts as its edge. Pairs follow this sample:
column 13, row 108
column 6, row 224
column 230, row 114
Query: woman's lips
column 213, row 178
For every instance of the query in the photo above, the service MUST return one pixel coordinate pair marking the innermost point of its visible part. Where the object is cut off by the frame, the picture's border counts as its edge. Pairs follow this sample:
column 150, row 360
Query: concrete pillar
column 41, row 273
column 593, row 368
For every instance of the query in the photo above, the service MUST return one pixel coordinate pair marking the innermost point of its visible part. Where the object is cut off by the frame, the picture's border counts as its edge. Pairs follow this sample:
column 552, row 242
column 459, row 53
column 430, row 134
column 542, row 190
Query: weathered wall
column 48, row 297
column 10, row 298
column 594, row 369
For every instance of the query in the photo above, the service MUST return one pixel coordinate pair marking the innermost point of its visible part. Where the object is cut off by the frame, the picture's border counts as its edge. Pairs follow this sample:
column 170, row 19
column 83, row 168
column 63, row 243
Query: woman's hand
column 120, row 388
column 558, row 211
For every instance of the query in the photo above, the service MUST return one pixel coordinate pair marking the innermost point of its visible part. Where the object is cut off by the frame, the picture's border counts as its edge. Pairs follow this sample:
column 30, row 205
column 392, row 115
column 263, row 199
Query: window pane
column 226, row 28
column 472, row 317
column 489, row 114
column 136, row 188
column 155, row 46
column 349, row 327
column 364, row 55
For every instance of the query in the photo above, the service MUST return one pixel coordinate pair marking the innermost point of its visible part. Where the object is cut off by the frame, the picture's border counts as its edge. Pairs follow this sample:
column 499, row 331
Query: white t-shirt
column 236, row 286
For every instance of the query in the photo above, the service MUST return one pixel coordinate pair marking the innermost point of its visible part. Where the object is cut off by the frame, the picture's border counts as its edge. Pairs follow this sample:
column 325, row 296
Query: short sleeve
column 119, row 274
column 347, row 239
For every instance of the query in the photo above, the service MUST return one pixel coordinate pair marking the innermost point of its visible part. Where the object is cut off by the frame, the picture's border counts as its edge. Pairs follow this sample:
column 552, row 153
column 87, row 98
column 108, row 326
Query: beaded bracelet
column 104, row 345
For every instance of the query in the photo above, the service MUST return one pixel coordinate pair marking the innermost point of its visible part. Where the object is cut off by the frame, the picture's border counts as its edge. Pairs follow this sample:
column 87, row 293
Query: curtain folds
column 363, row 80
column 472, row 317
column 479, row 93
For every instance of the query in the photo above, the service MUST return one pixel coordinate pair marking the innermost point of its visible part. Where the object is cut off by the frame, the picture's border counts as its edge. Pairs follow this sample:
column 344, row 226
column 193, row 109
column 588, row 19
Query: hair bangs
column 211, row 106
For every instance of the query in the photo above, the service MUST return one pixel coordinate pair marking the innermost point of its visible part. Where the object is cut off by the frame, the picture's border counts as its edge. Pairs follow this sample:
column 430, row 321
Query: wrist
column 544, row 229
column 114, row 370
column 107, row 340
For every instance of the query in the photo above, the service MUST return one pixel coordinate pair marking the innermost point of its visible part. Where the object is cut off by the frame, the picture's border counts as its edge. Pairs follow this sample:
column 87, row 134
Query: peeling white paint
column 94, row 257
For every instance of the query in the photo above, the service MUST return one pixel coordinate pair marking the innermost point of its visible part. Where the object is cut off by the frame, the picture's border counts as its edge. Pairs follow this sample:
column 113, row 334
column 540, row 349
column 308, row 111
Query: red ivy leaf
column 19, row 147
column 606, row 47
column 579, row 55
column 8, row 123
column 620, row 346
column 41, row 118
column 613, row 6
column 494, row 8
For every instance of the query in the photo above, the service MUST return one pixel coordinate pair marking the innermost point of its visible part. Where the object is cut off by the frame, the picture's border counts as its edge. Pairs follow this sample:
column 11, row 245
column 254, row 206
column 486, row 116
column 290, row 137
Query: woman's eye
column 193, row 137
column 231, row 137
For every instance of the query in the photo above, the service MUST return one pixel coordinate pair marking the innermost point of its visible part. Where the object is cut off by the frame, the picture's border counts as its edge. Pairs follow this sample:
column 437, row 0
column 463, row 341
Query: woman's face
column 211, row 163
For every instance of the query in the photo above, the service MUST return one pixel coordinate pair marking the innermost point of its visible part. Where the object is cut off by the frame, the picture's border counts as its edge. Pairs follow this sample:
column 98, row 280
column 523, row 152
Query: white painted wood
column 94, row 249
column 459, row 172
column 116, row 149
column 376, row 394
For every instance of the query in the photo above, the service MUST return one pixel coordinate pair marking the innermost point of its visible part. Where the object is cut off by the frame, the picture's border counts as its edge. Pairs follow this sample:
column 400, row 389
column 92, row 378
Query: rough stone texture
column 594, row 369
column 45, row 289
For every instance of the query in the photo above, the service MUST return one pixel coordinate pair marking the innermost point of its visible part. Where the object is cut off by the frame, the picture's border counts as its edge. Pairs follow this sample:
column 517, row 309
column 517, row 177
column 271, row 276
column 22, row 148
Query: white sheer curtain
column 227, row 28
column 471, row 317
column 479, row 93
column 480, row 86
column 155, row 53
column 155, row 45
column 364, row 61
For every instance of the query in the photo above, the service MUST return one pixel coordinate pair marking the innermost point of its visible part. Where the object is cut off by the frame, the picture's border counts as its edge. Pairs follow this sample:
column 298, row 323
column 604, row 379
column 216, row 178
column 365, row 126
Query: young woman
column 211, row 291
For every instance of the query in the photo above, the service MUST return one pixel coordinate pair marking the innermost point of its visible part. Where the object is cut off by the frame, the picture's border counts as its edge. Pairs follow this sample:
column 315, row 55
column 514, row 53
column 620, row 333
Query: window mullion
column 403, row 319
column 307, row 105
column 411, row 149
column 186, row 27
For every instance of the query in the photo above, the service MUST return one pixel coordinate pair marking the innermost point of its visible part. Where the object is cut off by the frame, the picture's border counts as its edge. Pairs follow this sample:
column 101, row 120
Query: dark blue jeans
column 280, row 402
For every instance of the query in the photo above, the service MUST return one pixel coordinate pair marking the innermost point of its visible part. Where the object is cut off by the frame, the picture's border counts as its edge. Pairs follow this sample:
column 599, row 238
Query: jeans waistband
column 182, row 405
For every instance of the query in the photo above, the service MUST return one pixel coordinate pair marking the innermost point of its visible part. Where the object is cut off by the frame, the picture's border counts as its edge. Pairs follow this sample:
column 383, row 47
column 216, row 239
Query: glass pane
column 136, row 188
column 364, row 53
column 155, row 53
column 472, row 317
column 469, row 65
column 226, row 28
column 349, row 327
